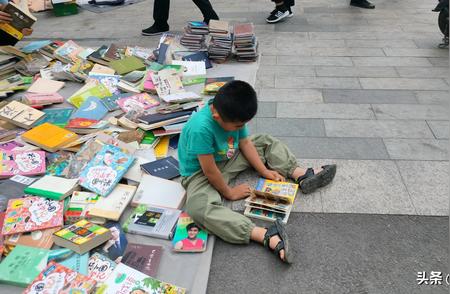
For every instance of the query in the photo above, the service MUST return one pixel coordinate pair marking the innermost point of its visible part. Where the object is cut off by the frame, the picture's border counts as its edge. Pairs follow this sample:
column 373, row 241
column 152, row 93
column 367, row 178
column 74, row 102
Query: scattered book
column 144, row 258
column 162, row 148
column 32, row 213
column 58, row 163
column 25, row 163
column 138, row 101
column 110, row 81
column 97, row 56
column 51, row 187
column 113, row 206
column 276, row 190
column 188, row 236
column 68, row 52
column 152, row 221
column 13, row 188
column 20, row 114
column 71, row 260
column 39, row 239
column 169, row 194
column 49, row 137
column 92, row 108
column 100, row 267
column 21, row 19
column 127, row 64
column 56, row 116
column 166, row 168
column 95, row 90
column 45, row 86
column 85, row 125
column 82, row 236
column 115, row 247
column 199, row 56
column 38, row 99
column 80, row 206
column 212, row 85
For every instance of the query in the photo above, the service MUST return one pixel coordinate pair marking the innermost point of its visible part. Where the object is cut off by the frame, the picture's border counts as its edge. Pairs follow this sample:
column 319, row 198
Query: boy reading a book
column 215, row 147
column 5, row 38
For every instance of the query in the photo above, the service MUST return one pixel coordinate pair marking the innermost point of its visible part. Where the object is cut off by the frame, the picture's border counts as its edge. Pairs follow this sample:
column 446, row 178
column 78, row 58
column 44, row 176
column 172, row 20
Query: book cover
column 101, row 69
column 99, row 91
column 100, row 267
column 25, row 163
column 97, row 55
column 212, row 85
column 31, row 214
column 56, row 116
column 79, row 206
column 23, row 265
column 82, row 158
column 69, row 51
column 43, row 99
column 78, row 124
column 40, row 239
column 144, row 258
column 16, row 146
column 162, row 148
column 56, row 188
column 92, row 108
column 266, row 215
column 110, row 81
column 49, row 137
column 113, row 206
column 150, row 221
column 166, row 168
column 138, row 101
column 147, row 84
column 105, row 170
column 115, row 247
column 274, row 189
column 58, row 163
column 167, row 81
column 13, row 188
column 20, row 114
column 20, row 19
column 127, row 64
column 110, row 102
column 71, row 260
column 125, row 279
column 56, row 278
column 189, row 237
column 199, row 56
column 155, row 118
column 46, row 86
column 169, row 194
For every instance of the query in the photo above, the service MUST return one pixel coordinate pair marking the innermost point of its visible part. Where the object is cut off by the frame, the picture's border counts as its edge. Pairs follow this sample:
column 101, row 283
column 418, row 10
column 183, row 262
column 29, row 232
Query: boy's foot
column 362, row 4
column 276, row 240
column 311, row 181
column 155, row 30
column 278, row 14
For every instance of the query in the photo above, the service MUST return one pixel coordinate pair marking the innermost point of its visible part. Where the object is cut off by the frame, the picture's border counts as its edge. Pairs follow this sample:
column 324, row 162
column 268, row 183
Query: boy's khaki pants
column 204, row 203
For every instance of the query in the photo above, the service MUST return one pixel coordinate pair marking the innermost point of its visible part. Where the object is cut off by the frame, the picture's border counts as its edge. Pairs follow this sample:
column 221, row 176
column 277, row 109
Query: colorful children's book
column 166, row 168
column 85, row 125
column 58, row 163
column 265, row 214
column 68, row 52
column 82, row 158
column 105, row 170
column 49, row 137
column 169, row 194
column 212, row 85
column 13, row 188
column 23, row 265
column 82, row 236
column 40, row 239
column 188, row 236
column 138, row 101
column 144, row 258
column 56, row 188
column 92, row 108
column 80, row 206
column 110, row 81
column 147, row 83
column 31, row 214
column 125, row 279
column 276, row 190
column 115, row 247
column 71, row 260
column 99, row 91
column 167, row 81
column 20, row 114
column 56, row 116
column 110, row 102
column 152, row 221
column 100, row 267
column 113, row 206
column 56, row 278
column 25, row 163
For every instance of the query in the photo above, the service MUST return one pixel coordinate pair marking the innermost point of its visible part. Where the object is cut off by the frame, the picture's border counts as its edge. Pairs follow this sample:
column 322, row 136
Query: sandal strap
column 309, row 172
column 271, row 231
column 279, row 247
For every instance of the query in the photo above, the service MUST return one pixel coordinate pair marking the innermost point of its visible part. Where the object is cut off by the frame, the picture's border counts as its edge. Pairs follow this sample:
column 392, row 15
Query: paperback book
column 20, row 114
column 25, row 163
column 100, row 267
column 115, row 246
column 56, row 188
column 189, row 237
column 80, row 206
column 113, row 206
column 40, row 239
column 144, row 258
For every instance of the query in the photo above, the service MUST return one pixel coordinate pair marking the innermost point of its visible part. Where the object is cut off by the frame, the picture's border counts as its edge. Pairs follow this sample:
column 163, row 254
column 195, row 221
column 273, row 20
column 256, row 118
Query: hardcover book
column 127, row 64
column 144, row 258
column 166, row 168
column 25, row 163
column 100, row 267
column 152, row 221
column 188, row 236
column 56, row 188
column 138, row 101
column 49, row 137
column 113, row 206
column 169, row 194
column 20, row 114
column 31, row 214
column 105, row 170
column 56, row 278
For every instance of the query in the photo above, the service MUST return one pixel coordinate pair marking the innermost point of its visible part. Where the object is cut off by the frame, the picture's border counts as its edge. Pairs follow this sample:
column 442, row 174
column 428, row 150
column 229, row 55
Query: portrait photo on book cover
column 115, row 247
column 192, row 242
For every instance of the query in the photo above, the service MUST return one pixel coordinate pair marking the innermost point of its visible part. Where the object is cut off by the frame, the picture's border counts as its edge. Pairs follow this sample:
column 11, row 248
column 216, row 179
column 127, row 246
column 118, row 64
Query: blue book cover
column 105, row 170
column 56, row 116
column 92, row 108
column 166, row 168
column 199, row 56
column 110, row 102
column 35, row 46
column 70, row 259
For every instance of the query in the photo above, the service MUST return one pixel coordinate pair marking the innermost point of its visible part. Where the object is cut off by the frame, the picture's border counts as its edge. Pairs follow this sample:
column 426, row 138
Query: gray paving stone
column 341, row 35
column 438, row 61
column 433, row 97
column 440, row 128
column 287, row 70
column 410, row 111
column 291, row 127
column 347, row 52
column 312, row 110
column 417, row 149
column 306, row 28
column 403, row 84
column 427, row 184
column 391, row 61
column 370, row 29
column 350, row 71
column 317, row 83
column 423, row 72
column 381, row 43
column 290, row 95
column 377, row 128
column 265, row 81
column 302, row 60
column 311, row 44
column 407, row 35
column 426, row 43
column 266, row 109
column 419, row 28
column 369, row 96
column 337, row 148
column 415, row 52
column 268, row 59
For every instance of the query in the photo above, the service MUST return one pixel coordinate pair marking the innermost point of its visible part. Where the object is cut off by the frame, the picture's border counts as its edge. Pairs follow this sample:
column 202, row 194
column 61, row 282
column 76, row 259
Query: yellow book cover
column 100, row 91
column 49, row 137
column 162, row 148
column 11, row 30
column 276, row 190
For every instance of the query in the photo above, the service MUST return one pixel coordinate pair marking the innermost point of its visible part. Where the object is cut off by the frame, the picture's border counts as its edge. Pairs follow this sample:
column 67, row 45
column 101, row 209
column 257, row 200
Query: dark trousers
column 287, row 3
column 7, row 39
column 161, row 11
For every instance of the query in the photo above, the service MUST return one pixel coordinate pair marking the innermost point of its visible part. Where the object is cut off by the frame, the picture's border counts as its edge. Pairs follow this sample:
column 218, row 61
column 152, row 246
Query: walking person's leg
column 160, row 16
column 206, row 9
column 280, row 12
column 362, row 4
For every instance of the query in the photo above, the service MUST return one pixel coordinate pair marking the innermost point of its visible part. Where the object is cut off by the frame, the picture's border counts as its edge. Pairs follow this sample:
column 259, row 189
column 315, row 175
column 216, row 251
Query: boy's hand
column 27, row 31
column 5, row 17
column 239, row 192
column 273, row 175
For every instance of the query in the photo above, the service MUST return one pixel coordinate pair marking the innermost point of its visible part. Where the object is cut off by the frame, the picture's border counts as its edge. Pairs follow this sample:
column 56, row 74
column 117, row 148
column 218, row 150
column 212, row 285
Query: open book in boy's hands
column 276, row 190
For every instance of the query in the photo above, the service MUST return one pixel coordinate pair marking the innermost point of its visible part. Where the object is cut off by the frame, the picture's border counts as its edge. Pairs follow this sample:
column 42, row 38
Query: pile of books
column 194, row 35
column 245, row 43
column 221, row 42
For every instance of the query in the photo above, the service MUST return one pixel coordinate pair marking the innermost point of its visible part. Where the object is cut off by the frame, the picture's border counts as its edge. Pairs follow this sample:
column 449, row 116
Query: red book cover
column 80, row 123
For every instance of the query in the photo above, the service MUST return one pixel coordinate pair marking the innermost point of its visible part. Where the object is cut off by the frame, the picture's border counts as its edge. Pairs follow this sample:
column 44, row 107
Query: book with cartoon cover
column 189, row 237
column 276, row 190
column 100, row 267
column 24, row 163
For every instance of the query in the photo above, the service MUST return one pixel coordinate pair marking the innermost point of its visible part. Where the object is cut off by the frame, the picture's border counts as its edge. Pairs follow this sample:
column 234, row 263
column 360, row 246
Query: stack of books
column 221, row 42
column 194, row 35
column 245, row 43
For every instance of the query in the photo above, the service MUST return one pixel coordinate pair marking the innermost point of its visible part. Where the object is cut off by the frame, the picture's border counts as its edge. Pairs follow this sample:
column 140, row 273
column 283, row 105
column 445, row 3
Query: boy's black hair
column 192, row 225
column 236, row 102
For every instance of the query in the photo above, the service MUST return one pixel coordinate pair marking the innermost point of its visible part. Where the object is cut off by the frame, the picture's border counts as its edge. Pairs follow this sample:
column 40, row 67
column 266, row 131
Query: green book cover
column 126, row 65
column 149, row 138
column 43, row 193
column 57, row 116
column 99, row 91
column 23, row 265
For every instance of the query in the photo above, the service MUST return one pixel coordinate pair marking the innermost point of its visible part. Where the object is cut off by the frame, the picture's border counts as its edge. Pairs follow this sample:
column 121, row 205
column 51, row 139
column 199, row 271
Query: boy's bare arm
column 248, row 149
column 212, row 172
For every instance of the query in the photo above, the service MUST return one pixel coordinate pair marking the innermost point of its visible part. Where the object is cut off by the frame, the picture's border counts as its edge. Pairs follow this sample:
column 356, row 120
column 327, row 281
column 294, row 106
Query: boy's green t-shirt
column 203, row 135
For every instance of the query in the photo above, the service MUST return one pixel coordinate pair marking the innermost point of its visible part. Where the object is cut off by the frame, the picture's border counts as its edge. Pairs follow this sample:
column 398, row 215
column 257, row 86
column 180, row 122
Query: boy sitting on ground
column 215, row 147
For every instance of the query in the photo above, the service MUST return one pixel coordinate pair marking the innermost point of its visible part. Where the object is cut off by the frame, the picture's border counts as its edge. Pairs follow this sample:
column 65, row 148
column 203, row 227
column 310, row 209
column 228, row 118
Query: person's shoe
column 155, row 30
column 362, row 4
column 206, row 20
column 278, row 14
column 291, row 14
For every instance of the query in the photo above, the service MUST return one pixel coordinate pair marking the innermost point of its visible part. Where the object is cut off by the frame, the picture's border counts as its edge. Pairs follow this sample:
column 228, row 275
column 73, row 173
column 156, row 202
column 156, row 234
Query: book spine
column 7, row 28
column 43, row 193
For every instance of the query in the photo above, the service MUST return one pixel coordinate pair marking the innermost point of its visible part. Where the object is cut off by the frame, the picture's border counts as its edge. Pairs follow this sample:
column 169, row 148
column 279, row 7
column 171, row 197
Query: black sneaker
column 278, row 14
column 155, row 30
column 291, row 14
column 362, row 4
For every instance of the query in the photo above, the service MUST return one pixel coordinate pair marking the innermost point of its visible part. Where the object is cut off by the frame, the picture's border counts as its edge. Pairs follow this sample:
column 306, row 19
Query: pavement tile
column 311, row 44
column 381, row 43
column 291, row 127
column 341, row 36
column 427, row 184
column 438, row 61
column 287, row 70
column 391, row 61
column 317, row 83
column 377, row 128
column 433, row 97
column 440, row 128
column 315, row 60
column 347, row 52
column 369, row 96
column 423, row 72
column 403, row 84
column 335, row 110
column 410, row 111
column 351, row 71
column 415, row 52
column 290, row 95
column 417, row 149
column 306, row 28
column 266, row 109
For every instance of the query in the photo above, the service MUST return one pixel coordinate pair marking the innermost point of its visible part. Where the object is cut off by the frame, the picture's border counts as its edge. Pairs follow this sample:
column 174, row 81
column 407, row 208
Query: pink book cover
column 38, row 99
column 57, row 278
column 138, row 101
column 148, row 83
column 32, row 213
column 24, row 163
